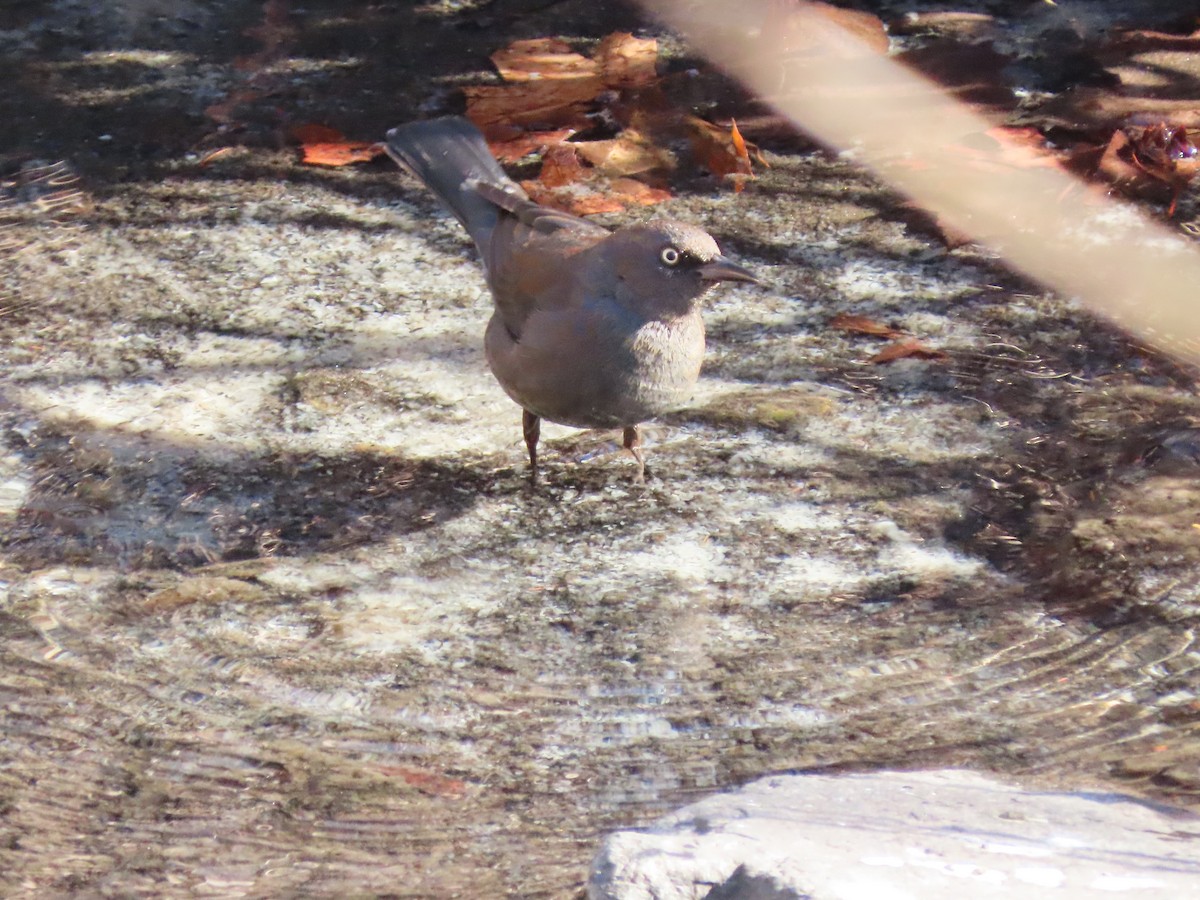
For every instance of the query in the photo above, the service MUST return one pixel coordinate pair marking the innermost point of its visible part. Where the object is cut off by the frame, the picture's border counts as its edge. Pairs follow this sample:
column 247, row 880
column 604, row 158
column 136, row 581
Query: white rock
column 903, row 836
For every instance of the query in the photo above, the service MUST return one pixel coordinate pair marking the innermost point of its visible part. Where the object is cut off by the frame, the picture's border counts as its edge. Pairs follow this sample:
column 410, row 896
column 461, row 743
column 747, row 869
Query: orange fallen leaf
column 863, row 325
column 742, row 154
column 739, row 143
column 908, row 348
column 342, row 154
column 324, row 146
column 311, row 133
column 214, row 155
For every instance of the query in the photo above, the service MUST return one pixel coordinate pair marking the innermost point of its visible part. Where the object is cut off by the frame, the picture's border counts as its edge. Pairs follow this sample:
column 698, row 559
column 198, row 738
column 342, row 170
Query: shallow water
column 281, row 612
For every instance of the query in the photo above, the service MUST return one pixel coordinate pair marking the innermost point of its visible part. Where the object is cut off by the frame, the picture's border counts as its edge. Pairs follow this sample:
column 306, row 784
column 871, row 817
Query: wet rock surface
column 281, row 612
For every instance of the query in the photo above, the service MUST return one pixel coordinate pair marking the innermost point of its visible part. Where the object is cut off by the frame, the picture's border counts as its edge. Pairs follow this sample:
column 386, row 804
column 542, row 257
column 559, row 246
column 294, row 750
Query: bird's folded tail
column 452, row 158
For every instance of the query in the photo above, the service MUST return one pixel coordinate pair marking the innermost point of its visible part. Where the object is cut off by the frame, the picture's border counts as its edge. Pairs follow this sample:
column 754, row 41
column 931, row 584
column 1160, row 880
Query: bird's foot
column 531, row 427
column 632, row 441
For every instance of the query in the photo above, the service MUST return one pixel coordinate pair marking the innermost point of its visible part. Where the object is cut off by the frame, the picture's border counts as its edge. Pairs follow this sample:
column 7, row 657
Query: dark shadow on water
column 102, row 497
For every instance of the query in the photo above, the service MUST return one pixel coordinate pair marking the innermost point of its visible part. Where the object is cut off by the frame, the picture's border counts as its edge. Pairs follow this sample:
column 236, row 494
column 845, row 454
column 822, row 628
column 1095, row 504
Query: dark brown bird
column 592, row 328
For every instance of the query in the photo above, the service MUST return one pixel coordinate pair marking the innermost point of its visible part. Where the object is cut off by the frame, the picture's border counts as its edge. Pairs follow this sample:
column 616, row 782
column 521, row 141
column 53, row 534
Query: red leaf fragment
column 907, row 348
column 427, row 782
column 864, row 325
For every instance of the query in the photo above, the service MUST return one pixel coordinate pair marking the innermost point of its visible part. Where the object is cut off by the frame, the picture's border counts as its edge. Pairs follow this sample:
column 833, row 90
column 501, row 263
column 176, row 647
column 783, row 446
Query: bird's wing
column 512, row 199
column 532, row 260
column 527, row 250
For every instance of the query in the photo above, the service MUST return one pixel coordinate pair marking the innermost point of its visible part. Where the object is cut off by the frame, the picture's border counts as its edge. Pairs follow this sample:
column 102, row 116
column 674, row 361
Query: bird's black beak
column 723, row 269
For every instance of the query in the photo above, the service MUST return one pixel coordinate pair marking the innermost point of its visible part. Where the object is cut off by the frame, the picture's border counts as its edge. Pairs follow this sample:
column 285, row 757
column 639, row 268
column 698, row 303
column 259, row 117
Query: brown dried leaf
column 560, row 166
column 523, row 143
column 626, row 61
column 1157, row 162
column 542, row 59
column 1114, row 165
column 907, row 348
column 586, row 196
column 559, row 103
column 628, row 154
column 574, row 199
column 1165, row 153
column 717, row 149
column 863, row 325
column 548, row 84
column 213, row 155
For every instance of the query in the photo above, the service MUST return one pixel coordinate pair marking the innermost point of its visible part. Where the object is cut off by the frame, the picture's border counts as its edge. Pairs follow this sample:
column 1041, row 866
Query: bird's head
column 663, row 267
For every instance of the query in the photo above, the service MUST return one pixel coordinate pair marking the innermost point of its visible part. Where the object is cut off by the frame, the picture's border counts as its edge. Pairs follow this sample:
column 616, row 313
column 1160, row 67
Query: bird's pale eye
column 670, row 256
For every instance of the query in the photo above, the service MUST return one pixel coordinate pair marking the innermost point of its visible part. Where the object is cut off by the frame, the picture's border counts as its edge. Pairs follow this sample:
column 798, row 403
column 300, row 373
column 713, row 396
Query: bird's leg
column 531, row 426
column 633, row 443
